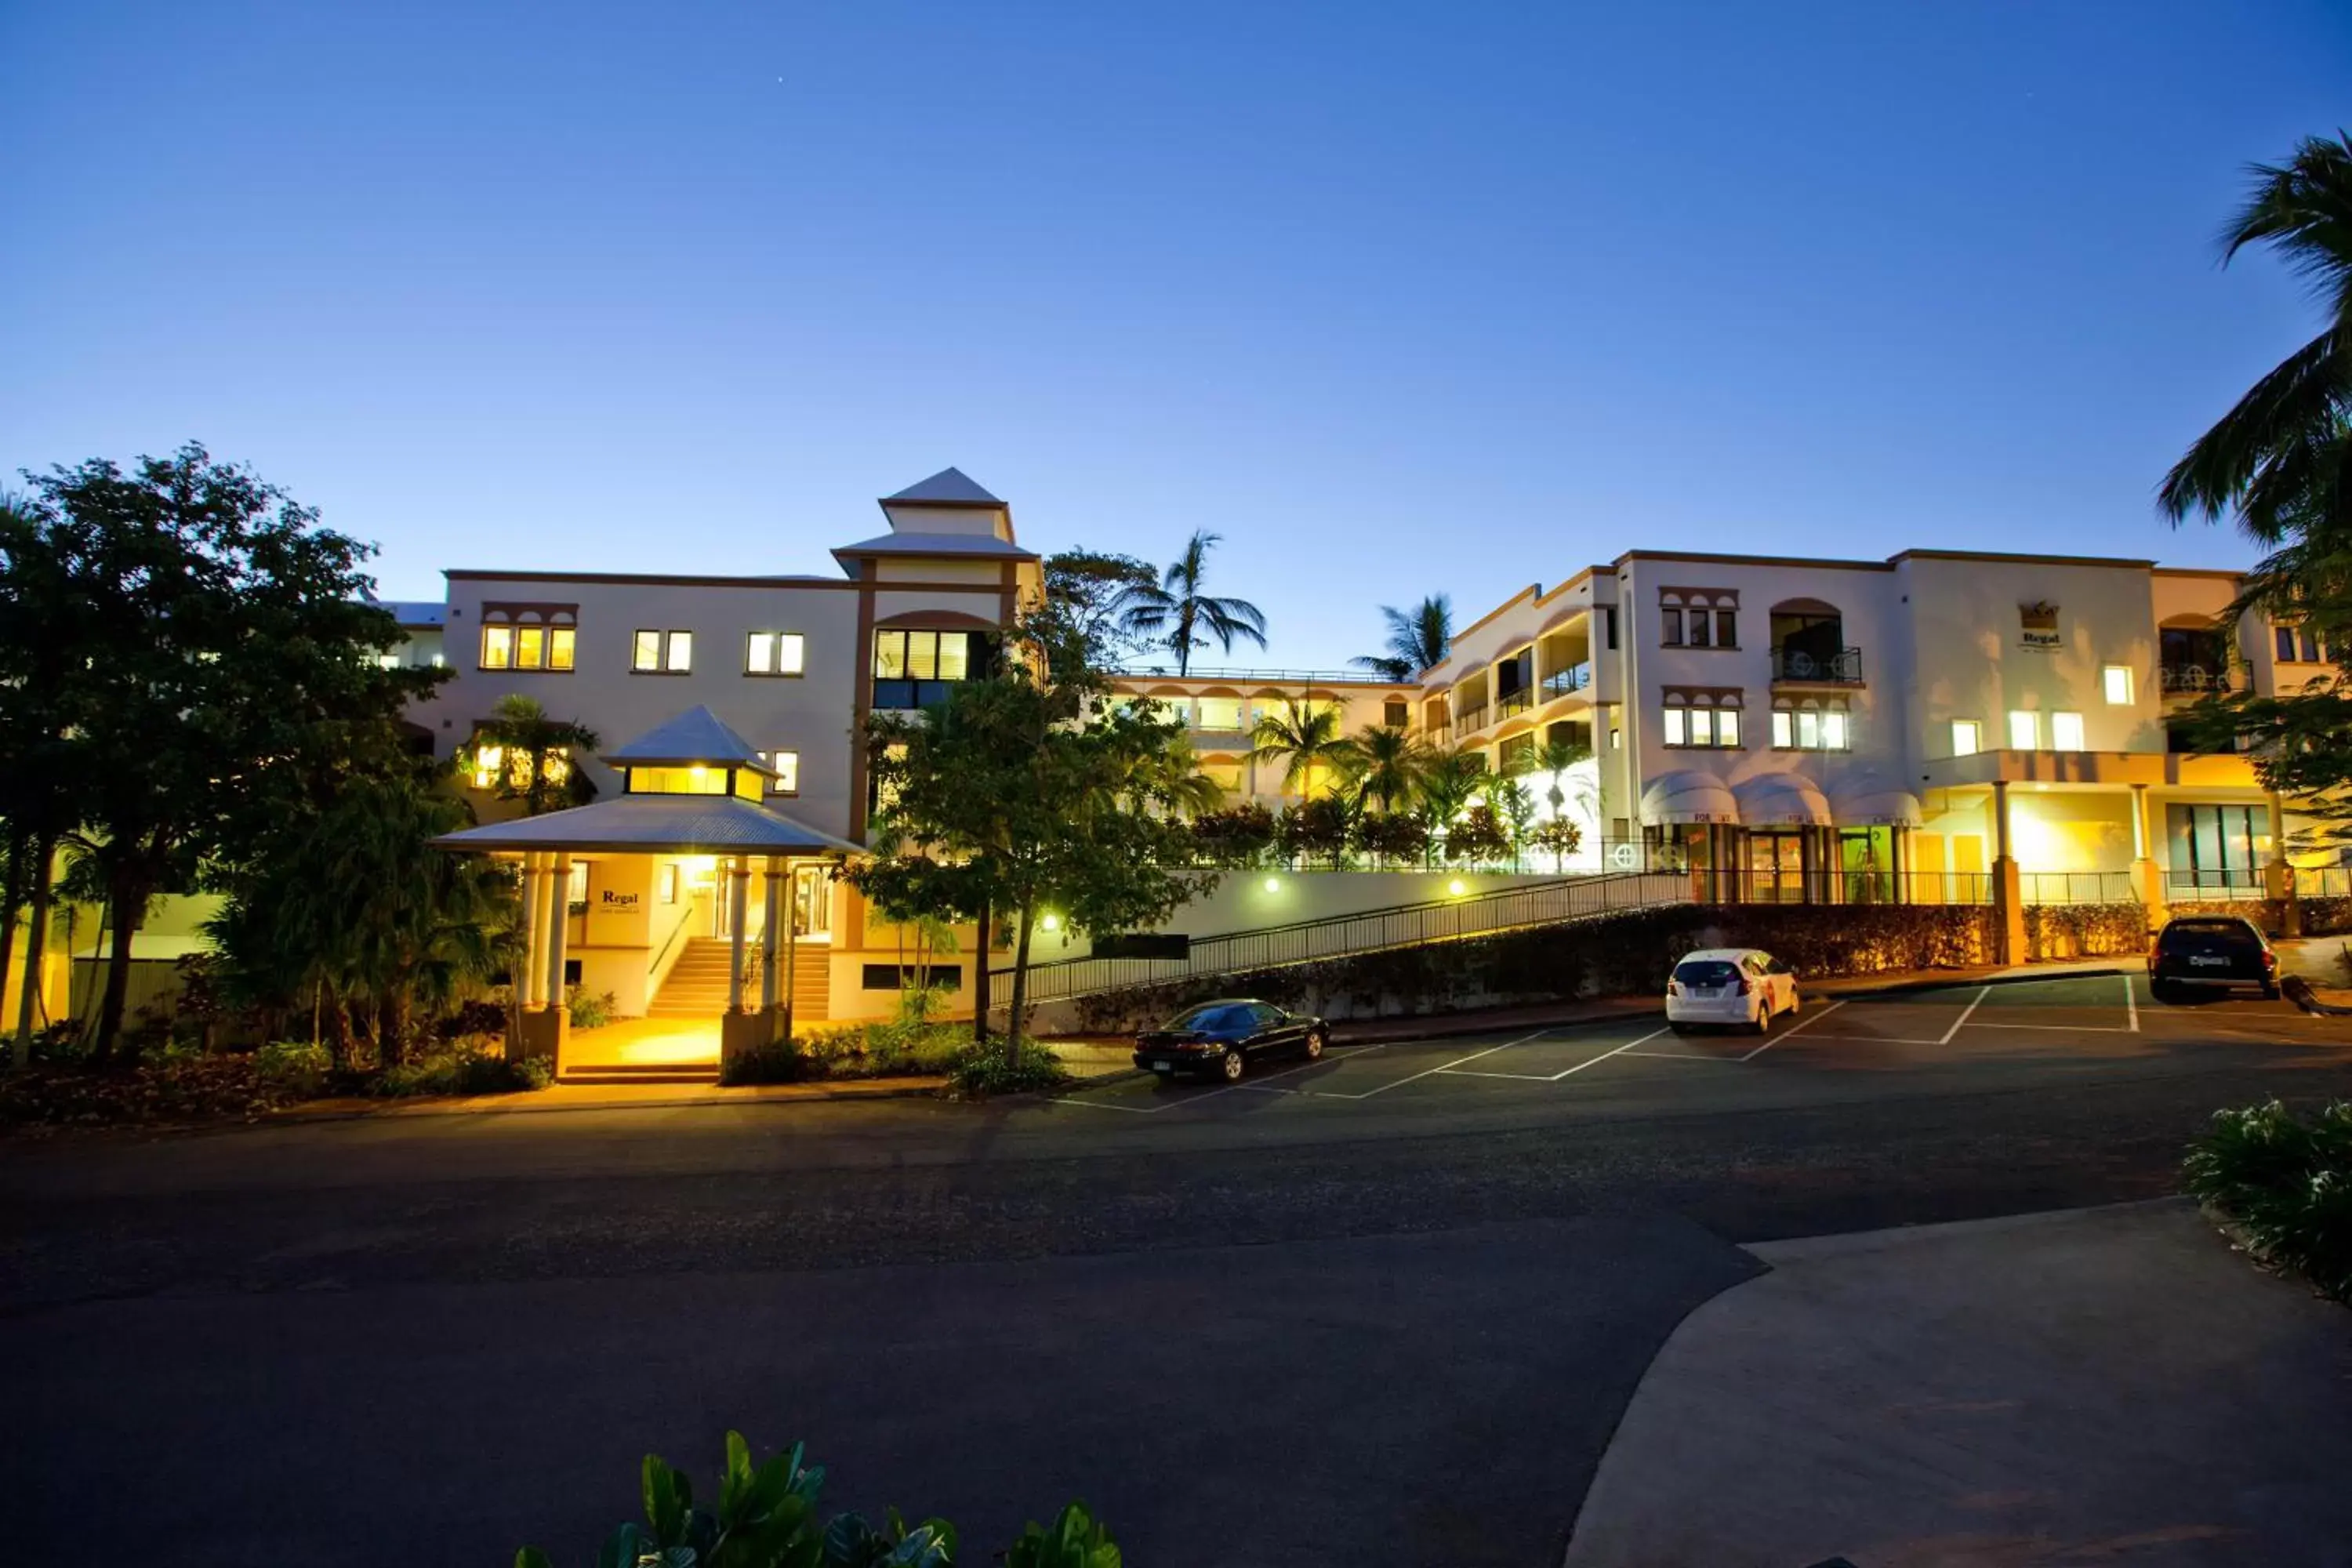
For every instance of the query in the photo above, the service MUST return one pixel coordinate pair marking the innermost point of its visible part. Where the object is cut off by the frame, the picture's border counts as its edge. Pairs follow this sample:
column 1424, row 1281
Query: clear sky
column 1398, row 299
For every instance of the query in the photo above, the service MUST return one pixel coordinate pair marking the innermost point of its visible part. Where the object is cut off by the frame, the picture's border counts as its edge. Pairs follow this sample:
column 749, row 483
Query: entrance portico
column 693, row 797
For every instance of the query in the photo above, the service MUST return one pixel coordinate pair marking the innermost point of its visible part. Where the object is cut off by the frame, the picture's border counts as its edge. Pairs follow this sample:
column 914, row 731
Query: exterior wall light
column 1273, row 884
column 1050, row 922
column 1458, row 887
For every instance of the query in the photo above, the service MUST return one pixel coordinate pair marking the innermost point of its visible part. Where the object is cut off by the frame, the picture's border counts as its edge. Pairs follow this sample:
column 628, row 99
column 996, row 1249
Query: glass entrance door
column 1776, row 867
column 812, row 903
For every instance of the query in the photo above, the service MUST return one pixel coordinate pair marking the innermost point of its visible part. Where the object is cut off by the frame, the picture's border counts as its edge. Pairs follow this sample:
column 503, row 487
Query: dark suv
column 2211, row 950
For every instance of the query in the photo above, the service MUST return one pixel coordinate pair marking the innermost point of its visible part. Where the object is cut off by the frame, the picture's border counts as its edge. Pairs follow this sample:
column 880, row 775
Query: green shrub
column 767, row 1517
column 978, row 1072
column 188, row 1087
column 2084, row 930
column 463, row 1069
column 2285, row 1183
column 299, row 1066
column 480, row 1016
column 590, row 1012
column 775, row 1061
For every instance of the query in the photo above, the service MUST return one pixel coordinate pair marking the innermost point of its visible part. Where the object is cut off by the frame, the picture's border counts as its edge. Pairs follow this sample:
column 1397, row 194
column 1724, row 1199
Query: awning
column 657, row 824
column 1783, row 800
column 1688, row 797
column 1872, row 804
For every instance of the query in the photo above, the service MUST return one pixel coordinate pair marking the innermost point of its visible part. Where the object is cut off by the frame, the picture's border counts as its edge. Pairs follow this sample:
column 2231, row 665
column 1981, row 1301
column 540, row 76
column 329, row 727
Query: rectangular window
column 1670, row 629
column 561, row 641
column 1833, row 731
column 498, row 647
column 576, row 890
column 1394, row 715
column 1674, row 733
column 1783, row 732
column 914, row 669
column 2066, row 731
column 1968, row 738
column 890, row 656
column 2024, row 730
column 530, row 647
column 1616, row 738
column 648, row 651
column 667, row 653
column 668, row 885
column 2309, row 645
column 787, row 766
column 955, row 655
column 2116, row 679
column 1695, row 629
column 1809, row 730
column 772, row 653
column 1224, row 713
column 1726, row 727
column 923, row 655
column 678, row 653
column 1727, row 629
column 1700, row 726
column 2283, row 639
column 1609, row 624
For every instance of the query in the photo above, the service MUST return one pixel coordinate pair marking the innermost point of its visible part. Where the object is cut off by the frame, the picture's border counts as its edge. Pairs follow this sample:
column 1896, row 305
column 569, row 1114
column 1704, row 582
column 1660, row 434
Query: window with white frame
column 787, row 769
column 772, row 653
column 2116, row 680
column 662, row 653
column 2065, row 731
column 529, row 637
column 1698, row 617
column 2024, row 730
column 1222, row 714
column 1700, row 719
column 1968, row 737
column 1811, row 727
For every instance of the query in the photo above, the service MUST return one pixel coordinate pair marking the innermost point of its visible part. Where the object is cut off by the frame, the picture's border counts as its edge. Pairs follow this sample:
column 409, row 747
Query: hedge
column 2321, row 917
column 1625, row 954
column 2084, row 930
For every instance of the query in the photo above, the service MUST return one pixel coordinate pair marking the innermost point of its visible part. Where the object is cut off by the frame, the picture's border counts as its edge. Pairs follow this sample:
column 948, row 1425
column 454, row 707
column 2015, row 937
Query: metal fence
column 2251, row 883
column 1337, row 936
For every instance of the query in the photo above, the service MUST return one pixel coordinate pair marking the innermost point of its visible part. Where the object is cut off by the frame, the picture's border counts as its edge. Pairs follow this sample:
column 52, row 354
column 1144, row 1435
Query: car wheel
column 2271, row 992
column 1791, row 1008
column 1680, row 1028
column 2162, row 990
column 1232, row 1065
column 1316, row 1040
column 1762, row 1023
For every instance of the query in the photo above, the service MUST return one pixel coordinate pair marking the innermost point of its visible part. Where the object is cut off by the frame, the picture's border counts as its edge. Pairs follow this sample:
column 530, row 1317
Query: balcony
column 1812, row 666
column 1470, row 720
column 2198, row 680
column 1512, row 702
column 1560, row 683
column 893, row 696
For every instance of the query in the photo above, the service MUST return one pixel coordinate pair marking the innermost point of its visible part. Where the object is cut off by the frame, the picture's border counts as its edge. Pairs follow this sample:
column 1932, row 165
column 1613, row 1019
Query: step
column 610, row 1076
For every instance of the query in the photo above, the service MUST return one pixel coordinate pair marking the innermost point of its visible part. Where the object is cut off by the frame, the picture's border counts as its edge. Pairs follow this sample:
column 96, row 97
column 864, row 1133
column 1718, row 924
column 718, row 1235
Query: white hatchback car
column 1742, row 986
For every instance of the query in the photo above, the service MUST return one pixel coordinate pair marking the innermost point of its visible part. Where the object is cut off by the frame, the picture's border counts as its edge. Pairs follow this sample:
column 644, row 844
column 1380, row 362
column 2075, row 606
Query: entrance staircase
column 696, row 986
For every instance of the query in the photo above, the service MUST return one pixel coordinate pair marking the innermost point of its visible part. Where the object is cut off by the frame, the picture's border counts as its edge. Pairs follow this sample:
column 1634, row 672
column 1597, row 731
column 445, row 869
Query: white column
column 559, row 918
column 739, row 892
column 534, row 937
column 771, row 938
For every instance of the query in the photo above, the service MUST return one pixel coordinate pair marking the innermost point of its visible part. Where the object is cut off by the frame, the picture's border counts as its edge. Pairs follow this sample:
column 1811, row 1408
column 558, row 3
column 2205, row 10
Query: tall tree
column 215, row 658
column 1013, row 797
column 535, row 763
column 1449, row 784
column 1548, row 761
column 1385, row 765
column 2279, row 463
column 1089, row 590
column 1305, row 739
column 1179, row 615
column 1418, row 638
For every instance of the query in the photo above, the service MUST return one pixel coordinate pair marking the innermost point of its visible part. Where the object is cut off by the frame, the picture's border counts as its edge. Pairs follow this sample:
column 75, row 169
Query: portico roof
column 695, row 736
column 657, row 825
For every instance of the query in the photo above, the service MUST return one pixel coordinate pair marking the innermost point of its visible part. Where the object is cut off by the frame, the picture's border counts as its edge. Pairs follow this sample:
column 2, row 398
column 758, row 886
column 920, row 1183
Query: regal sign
column 2037, row 624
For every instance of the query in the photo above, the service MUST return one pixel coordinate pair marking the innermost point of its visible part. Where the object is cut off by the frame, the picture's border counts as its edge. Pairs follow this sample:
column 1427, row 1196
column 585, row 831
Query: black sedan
column 1221, row 1038
column 2211, row 950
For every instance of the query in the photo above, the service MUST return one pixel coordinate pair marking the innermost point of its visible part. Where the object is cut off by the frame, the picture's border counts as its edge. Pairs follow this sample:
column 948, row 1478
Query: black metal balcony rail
column 1337, row 936
column 1560, row 683
column 1842, row 667
column 1511, row 703
column 1470, row 720
column 2197, row 679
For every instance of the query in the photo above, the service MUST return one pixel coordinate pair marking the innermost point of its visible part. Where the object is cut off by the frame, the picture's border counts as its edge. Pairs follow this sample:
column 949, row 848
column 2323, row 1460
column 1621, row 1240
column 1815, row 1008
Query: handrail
column 1308, row 676
column 1333, row 936
column 1843, row 668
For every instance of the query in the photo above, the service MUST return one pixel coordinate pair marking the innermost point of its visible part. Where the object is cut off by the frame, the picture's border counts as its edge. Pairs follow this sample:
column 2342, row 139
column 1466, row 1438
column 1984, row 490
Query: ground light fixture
column 1273, row 884
column 1458, row 887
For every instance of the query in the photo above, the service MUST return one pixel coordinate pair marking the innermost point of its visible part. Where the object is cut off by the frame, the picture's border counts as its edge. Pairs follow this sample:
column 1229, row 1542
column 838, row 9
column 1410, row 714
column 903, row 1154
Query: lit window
column 2066, row 731
column 665, row 653
column 1224, row 713
column 498, row 647
column 487, row 761
column 530, row 647
column 1783, row 729
column 575, row 887
column 1833, row 731
column 1616, row 738
column 772, row 653
column 2116, row 678
column 526, row 636
column 787, row 766
column 1726, row 727
column 1968, row 738
column 1809, row 730
column 2024, row 730
column 1700, row 726
column 1674, row 735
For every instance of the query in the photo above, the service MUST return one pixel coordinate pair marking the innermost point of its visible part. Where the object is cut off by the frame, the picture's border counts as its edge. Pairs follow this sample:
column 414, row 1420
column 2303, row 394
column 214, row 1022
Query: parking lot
column 1966, row 1035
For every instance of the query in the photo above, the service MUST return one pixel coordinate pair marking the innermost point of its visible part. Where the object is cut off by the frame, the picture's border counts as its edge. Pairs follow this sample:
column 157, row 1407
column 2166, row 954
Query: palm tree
column 1386, row 765
column 2278, row 459
column 1169, row 775
column 533, row 756
column 1449, row 783
column 1548, row 761
column 1304, row 738
column 1418, row 638
column 1175, row 611
column 1515, row 804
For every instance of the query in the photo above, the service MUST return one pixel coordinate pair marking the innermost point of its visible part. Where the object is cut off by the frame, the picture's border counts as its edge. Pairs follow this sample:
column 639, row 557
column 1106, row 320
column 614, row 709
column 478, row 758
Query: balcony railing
column 1560, row 683
column 899, row 695
column 2195, row 680
column 1843, row 668
column 1470, row 720
column 1511, row 703
column 1440, row 735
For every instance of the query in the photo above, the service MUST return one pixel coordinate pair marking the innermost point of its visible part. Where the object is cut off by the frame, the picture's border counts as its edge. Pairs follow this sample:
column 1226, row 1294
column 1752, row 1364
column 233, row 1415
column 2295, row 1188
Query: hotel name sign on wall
column 2037, row 624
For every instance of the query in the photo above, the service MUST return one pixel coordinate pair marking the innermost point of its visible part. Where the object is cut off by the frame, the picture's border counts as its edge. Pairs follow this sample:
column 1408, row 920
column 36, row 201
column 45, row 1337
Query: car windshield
column 2211, row 934
column 1210, row 1019
column 1706, row 971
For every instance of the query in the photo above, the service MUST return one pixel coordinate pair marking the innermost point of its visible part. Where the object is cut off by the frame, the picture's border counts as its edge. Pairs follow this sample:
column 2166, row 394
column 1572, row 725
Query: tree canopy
column 1418, row 638
column 1179, row 614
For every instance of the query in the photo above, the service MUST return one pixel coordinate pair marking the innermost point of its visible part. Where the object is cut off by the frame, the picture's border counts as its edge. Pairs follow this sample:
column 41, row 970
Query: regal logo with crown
column 2038, row 623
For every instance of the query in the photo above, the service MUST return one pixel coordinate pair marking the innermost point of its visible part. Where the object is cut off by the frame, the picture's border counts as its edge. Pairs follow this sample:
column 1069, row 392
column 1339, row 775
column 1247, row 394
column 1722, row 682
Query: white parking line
column 1963, row 1018
column 1474, row 1055
column 1228, row 1088
column 1793, row 1030
column 2131, row 1005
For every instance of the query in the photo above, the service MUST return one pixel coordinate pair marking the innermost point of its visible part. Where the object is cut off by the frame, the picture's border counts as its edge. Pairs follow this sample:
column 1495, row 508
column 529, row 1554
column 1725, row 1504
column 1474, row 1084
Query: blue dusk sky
column 1399, row 299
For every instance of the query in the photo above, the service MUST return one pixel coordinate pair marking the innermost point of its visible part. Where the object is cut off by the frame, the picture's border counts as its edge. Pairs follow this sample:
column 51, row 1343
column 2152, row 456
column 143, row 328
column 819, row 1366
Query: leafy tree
column 535, row 763
column 1013, row 796
column 1390, row 837
column 209, row 654
column 1418, row 638
column 1304, row 738
column 1384, row 766
column 1449, row 785
column 1239, row 836
column 1548, row 761
column 1477, row 835
column 1515, row 806
column 2277, row 463
column 37, row 610
column 1170, row 778
column 1317, row 827
column 1179, row 615
column 1089, row 590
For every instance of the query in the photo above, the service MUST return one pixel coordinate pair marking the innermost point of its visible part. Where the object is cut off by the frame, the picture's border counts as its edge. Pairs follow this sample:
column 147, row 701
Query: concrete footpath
column 2109, row 1385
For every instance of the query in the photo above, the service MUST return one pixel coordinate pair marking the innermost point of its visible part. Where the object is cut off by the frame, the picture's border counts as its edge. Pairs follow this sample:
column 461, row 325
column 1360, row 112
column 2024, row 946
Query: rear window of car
column 1706, row 971
column 1225, row 1015
column 2208, row 934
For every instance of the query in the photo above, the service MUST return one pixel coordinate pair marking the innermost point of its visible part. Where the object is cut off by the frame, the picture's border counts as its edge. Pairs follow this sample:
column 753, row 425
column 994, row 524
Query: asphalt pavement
column 1383, row 1308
